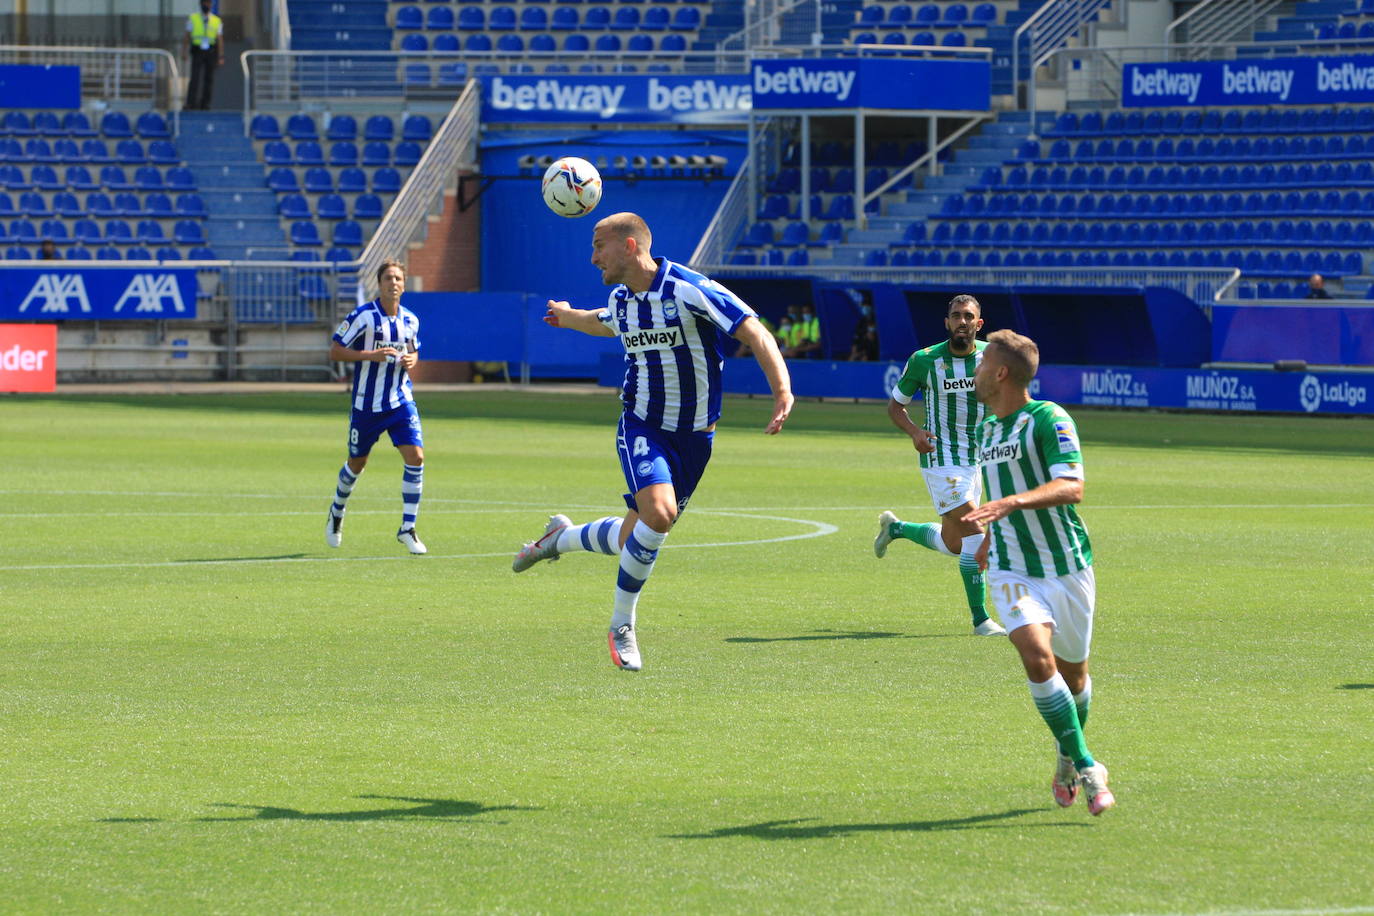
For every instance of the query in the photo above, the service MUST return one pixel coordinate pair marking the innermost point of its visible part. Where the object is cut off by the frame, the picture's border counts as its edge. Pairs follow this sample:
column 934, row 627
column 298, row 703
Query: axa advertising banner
column 715, row 99
column 29, row 293
column 28, row 357
column 912, row 84
column 1106, row 386
column 1279, row 81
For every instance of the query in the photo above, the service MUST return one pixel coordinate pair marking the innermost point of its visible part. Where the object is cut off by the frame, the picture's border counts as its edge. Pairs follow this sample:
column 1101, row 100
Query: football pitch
column 204, row 709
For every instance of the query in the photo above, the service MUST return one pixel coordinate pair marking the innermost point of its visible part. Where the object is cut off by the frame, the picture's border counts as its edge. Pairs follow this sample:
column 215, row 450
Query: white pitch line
column 1336, row 911
column 819, row 529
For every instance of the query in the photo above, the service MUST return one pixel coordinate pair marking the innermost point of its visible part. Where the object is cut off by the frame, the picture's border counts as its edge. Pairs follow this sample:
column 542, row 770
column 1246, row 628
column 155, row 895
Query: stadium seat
column 64, row 204
column 564, row 18
column 343, row 154
column 191, row 205
column 130, row 152
column 453, row 74
column 162, row 152
column 152, row 126
column 150, row 232
column 113, row 178
column 276, row 152
column 337, row 254
column 157, row 206
column 77, row 253
column 331, row 206
column 202, row 253
column 608, row 44
column 639, row 44
column 408, row 153
column 502, row 19
column 264, row 127
column 318, row 181
column 415, row 43
column 386, row 181
column 17, row 124
column 417, row 127
column 472, row 19
column 115, row 125
column 379, row 127
column 409, row 18
column 675, row 43
column 168, row 253
column 310, row 153
column 347, row 234
column 510, row 44
column 368, row 206
column 118, row 232
column 342, row 128
column 76, row 124
column 417, row 75
column 533, row 19
column 54, row 230
column 282, row 179
column 304, row 234
column 108, row 253
column 127, row 204
column 181, row 179
column 759, row 234
column 188, row 232
column 626, row 18
column 293, row 206
column 148, row 178
column 984, row 14
column 352, row 181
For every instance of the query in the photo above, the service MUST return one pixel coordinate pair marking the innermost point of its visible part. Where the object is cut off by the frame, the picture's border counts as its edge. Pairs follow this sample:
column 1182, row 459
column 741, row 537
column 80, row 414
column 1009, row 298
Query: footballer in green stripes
column 1037, row 555
column 948, row 445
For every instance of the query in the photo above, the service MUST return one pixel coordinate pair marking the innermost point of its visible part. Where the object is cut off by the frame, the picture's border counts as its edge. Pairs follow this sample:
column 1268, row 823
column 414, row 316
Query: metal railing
column 128, row 77
column 454, row 146
column 727, row 223
column 281, row 25
column 1203, row 285
column 1218, row 21
column 1046, row 31
column 775, row 22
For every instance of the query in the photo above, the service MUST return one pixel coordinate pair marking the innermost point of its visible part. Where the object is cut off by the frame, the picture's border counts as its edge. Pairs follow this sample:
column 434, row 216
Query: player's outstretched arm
column 752, row 332
column 563, row 315
column 1058, row 492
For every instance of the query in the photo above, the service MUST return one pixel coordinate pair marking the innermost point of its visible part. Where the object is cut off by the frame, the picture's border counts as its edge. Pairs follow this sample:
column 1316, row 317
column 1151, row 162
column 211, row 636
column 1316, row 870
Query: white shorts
column 951, row 487
column 1064, row 602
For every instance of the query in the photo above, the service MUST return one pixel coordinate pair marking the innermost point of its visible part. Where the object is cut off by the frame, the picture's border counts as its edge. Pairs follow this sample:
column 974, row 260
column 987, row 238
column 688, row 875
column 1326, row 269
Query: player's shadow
column 280, row 556
column 839, row 634
column 1356, row 687
column 428, row 808
column 801, row 829
column 435, row 808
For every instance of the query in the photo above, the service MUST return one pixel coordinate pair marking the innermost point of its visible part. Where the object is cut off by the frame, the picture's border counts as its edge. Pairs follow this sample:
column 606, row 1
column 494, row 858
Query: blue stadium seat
column 673, row 43
column 376, row 154
column 318, row 181
column 310, row 153
column 686, row 19
column 44, row 178
column 55, row 230
column 626, row 18
column 77, row 124
column 65, row 204
column 293, row 206
column 17, row 124
column 342, row 128
column 282, row 179
column 639, row 44
column 115, row 125
column 112, row 177
column 984, row 14
column 148, row 178
column 118, row 232
column 352, row 181
column 168, row 253
column 150, row 232
column 264, row 127
column 368, row 206
column 331, row 206
column 66, row 150
column 191, row 205
column 337, row 254
column 37, row 149
column 440, row 19
column 417, row 75
column 543, row 44
column 202, row 253
column 152, row 125
column 607, row 44
column 871, row 16
column 415, row 42
column 502, row 19
column 409, row 18
column 379, row 127
column 596, row 19
column 955, row 14
column 453, row 74
column 759, row 234
column 656, row 19
column 99, row 205
column 162, row 152
column 954, row 39
column 347, row 234
column 408, row 153
column 158, row 206
column 188, row 232
column 564, row 18
column 472, row 19
column 108, row 253
column 343, row 154
column 77, row 253
column 128, row 204
column 417, row 127
column 181, row 179
column 130, row 152
column 510, row 44
column 304, row 234
column 576, row 43
column 138, row 253
column 277, row 152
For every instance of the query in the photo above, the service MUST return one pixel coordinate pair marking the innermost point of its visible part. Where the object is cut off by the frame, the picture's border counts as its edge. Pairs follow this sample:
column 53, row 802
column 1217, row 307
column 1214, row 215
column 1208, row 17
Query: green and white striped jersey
column 1020, row 452
column 952, row 411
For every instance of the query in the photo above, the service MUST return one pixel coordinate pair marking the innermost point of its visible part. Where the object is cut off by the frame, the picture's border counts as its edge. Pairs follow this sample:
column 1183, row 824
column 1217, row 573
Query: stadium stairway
column 322, row 25
column 1298, row 22
column 724, row 20
column 242, row 212
column 996, row 142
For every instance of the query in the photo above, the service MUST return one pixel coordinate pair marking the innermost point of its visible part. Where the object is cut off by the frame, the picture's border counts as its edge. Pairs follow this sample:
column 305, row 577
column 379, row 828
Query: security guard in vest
column 205, row 42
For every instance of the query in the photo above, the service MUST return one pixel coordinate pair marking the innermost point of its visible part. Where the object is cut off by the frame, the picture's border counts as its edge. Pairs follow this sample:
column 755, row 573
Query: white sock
column 600, row 536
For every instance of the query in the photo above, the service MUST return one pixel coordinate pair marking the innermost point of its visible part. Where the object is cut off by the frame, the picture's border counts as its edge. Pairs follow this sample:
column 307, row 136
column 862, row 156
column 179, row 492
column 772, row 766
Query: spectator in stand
column 48, row 252
column 806, row 334
column 864, row 347
column 1316, row 287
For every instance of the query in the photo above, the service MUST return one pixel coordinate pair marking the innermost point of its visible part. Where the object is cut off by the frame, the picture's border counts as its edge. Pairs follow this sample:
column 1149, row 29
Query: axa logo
column 150, row 291
column 58, row 293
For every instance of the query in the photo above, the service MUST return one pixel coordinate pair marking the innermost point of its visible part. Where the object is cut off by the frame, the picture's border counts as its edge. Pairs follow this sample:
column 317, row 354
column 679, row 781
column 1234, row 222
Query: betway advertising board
column 660, row 98
column 1104, row 386
column 1280, row 81
column 39, row 294
column 886, row 83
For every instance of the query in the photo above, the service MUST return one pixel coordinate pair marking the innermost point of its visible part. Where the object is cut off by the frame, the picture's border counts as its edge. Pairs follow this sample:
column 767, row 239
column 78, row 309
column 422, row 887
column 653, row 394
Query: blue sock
column 412, row 482
column 636, row 562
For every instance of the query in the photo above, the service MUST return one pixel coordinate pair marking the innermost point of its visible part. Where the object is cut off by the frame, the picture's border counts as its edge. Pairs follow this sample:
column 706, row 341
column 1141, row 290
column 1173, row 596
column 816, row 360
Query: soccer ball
column 572, row 186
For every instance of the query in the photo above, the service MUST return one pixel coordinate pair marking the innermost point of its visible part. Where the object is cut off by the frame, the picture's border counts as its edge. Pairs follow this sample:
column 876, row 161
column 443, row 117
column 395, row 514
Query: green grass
column 204, row 709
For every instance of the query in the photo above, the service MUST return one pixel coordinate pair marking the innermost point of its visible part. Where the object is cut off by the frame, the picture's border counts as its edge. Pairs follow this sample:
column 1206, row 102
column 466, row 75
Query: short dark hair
column 964, row 299
column 387, row 263
column 1018, row 353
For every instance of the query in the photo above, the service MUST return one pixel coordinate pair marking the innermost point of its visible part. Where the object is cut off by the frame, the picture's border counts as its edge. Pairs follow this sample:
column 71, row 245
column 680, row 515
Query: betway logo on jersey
column 996, row 454
column 956, row 385
column 61, row 294
column 653, row 339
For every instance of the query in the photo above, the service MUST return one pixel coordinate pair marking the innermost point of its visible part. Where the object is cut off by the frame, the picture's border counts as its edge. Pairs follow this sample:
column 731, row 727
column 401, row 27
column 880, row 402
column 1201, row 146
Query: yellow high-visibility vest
column 203, row 32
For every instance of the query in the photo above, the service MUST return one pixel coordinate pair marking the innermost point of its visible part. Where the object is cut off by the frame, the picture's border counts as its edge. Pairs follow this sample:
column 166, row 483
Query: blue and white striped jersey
column 672, row 346
column 379, row 387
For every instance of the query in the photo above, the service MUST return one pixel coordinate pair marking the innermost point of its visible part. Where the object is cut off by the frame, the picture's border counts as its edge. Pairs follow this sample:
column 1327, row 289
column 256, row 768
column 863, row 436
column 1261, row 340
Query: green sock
column 927, row 534
column 975, row 587
column 1056, row 706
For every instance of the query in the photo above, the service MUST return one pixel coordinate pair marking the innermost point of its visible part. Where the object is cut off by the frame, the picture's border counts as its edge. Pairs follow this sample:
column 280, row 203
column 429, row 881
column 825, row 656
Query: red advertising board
column 28, row 357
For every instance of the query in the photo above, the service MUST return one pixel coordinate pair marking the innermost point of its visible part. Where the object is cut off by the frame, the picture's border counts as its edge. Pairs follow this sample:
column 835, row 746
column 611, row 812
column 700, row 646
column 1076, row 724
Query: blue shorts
column 650, row 455
column 366, row 427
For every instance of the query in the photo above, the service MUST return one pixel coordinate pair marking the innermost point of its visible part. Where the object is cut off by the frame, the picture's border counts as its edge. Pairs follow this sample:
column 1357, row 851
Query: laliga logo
column 1312, row 393
column 891, row 377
